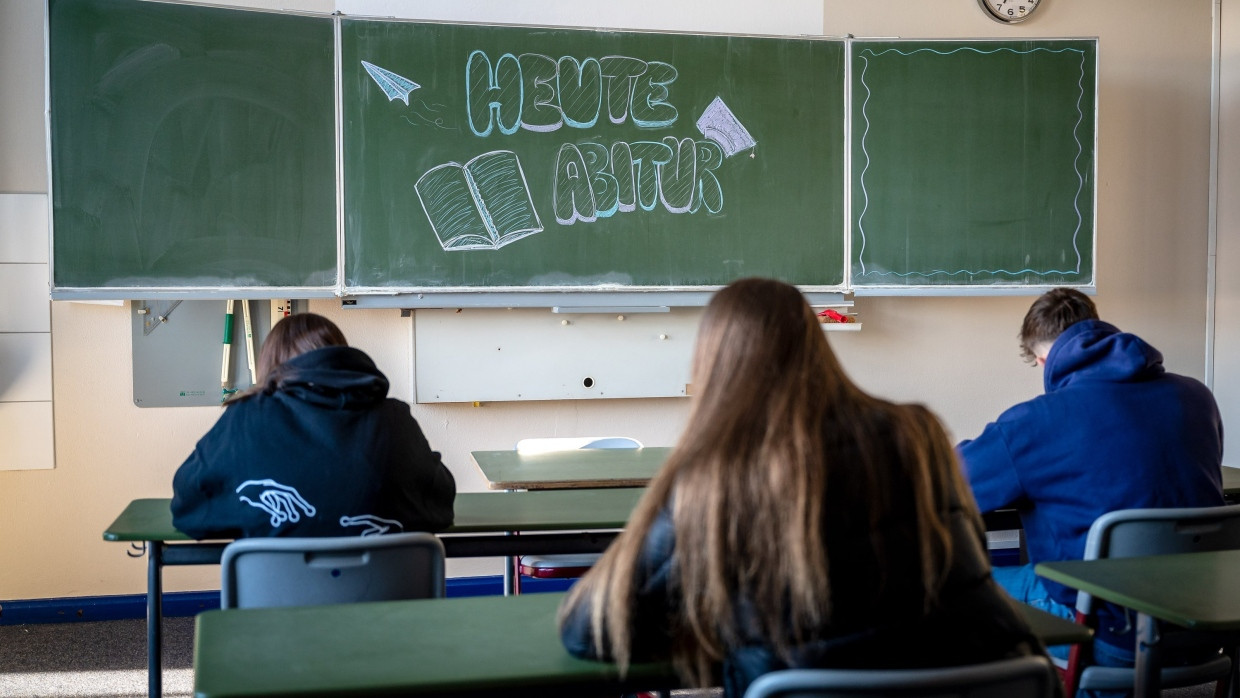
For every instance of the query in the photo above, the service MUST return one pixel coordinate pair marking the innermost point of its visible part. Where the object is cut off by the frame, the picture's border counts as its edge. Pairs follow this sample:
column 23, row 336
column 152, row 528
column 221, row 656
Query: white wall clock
column 1009, row 11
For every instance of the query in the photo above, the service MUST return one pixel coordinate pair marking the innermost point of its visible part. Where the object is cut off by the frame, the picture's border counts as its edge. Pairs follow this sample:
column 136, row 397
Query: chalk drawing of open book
column 481, row 205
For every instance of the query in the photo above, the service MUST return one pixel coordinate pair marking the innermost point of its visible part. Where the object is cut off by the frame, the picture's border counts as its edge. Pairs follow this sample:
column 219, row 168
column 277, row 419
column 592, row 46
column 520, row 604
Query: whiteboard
column 492, row 355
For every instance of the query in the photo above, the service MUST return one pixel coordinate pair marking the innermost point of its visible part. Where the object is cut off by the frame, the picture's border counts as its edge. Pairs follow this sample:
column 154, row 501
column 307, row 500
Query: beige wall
column 956, row 354
column 1227, row 308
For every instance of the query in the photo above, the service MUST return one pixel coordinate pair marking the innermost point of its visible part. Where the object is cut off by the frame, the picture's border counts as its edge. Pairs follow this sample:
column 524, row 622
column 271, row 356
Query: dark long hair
column 772, row 419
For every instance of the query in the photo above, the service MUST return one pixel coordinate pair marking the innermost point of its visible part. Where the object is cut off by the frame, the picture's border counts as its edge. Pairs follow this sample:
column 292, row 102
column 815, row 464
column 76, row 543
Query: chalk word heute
column 539, row 93
column 593, row 181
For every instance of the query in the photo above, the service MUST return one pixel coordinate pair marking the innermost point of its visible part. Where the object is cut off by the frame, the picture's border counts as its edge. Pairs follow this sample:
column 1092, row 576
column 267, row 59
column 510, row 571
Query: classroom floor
column 108, row 660
column 92, row 660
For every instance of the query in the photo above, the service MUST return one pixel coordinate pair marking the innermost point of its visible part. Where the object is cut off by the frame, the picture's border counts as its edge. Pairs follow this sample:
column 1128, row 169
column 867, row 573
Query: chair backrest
column 261, row 572
column 1136, row 532
column 1023, row 677
column 572, row 443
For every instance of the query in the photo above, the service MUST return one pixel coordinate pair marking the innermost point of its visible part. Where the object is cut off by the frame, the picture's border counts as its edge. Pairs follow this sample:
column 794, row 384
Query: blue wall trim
column 79, row 609
column 90, row 608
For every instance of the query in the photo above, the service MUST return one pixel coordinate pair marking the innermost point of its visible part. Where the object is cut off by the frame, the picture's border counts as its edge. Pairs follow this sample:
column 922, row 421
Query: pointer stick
column 226, row 368
column 249, row 340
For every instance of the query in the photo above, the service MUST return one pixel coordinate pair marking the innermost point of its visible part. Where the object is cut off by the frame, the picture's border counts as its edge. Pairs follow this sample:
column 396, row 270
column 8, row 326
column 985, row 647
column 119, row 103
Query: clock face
column 1009, row 11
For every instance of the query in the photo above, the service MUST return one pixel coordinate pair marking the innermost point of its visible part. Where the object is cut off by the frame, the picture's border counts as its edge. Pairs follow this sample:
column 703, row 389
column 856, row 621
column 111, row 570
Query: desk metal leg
column 512, row 571
column 510, row 564
column 1148, row 662
column 154, row 618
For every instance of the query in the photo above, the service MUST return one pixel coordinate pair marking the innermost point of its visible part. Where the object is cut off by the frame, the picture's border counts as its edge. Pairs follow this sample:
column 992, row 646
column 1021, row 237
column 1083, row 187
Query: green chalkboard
column 191, row 147
column 482, row 157
column 194, row 151
column 973, row 163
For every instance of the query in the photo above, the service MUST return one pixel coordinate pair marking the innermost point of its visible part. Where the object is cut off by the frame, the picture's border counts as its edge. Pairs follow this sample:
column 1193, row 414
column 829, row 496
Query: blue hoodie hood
column 1094, row 350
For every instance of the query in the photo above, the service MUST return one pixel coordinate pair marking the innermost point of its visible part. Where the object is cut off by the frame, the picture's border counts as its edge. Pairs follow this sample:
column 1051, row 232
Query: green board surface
column 973, row 163
column 485, row 157
column 191, row 147
column 195, row 149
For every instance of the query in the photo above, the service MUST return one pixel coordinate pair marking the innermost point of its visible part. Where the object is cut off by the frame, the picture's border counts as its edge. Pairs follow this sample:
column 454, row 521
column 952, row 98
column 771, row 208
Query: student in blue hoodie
column 315, row 448
column 1114, row 430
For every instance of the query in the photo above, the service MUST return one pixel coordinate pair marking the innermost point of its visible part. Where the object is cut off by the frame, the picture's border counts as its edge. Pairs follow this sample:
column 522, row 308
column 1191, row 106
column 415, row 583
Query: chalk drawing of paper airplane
column 720, row 125
column 481, row 205
column 393, row 85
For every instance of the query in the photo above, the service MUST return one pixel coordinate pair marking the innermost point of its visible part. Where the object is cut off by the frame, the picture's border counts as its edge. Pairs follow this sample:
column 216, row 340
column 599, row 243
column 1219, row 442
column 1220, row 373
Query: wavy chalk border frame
column 997, row 287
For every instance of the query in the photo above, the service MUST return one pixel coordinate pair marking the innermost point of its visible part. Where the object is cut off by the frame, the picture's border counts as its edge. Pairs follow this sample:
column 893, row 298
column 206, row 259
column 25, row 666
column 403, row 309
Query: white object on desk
column 1002, row 540
column 572, row 443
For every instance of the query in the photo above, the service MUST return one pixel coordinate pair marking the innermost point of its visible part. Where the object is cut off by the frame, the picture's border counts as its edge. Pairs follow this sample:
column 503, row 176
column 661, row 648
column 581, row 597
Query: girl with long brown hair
column 799, row 522
column 314, row 448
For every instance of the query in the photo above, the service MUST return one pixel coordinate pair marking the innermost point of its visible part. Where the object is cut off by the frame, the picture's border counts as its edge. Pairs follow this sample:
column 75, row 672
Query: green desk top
column 476, row 512
column 618, row 467
column 145, row 519
column 550, row 510
column 1200, row 591
column 491, row 644
column 151, row 519
column 481, row 644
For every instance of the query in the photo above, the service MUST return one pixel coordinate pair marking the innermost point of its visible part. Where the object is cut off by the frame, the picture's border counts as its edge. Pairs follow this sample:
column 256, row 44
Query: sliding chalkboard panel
column 973, row 163
column 192, row 147
column 486, row 158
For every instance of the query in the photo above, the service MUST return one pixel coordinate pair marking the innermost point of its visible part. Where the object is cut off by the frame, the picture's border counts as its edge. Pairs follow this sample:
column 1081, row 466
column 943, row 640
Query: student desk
column 580, row 468
column 481, row 520
column 1197, row 591
column 496, row 645
column 611, row 468
column 512, row 470
column 622, row 467
column 488, row 645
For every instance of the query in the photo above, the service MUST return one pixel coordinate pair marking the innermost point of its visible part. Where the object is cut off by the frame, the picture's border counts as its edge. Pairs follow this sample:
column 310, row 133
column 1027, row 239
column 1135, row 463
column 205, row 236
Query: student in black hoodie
column 315, row 448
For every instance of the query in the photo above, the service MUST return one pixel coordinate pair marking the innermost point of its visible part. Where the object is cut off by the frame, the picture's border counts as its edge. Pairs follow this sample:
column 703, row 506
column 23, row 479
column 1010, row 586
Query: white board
column 493, row 355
